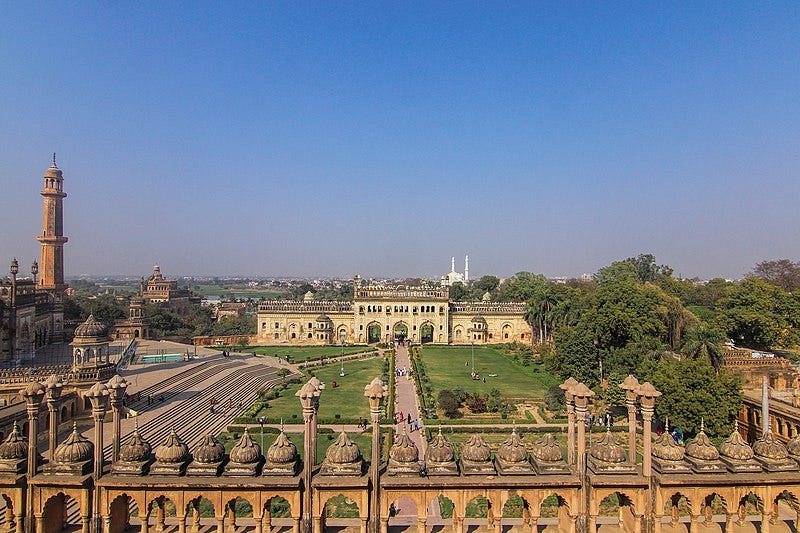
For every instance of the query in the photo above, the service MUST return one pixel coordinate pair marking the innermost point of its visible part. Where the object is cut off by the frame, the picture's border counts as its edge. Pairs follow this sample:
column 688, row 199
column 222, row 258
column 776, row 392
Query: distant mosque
column 453, row 276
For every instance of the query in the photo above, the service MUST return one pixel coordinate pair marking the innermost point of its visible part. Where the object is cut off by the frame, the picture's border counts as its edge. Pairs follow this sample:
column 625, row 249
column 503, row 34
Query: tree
column 457, row 291
column 521, row 287
column 704, row 342
column 449, row 404
column 693, row 391
column 647, row 269
column 487, row 284
column 782, row 273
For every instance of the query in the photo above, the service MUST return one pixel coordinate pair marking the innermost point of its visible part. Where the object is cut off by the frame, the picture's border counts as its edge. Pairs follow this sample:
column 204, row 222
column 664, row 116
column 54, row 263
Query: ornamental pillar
column 98, row 395
column 53, row 388
column 116, row 388
column 32, row 394
column 582, row 395
column 306, row 394
column 570, row 403
column 630, row 386
column 647, row 395
column 375, row 392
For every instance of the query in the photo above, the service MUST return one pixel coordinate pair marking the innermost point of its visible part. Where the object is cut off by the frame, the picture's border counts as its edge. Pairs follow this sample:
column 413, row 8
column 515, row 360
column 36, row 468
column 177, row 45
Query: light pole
column 473, row 358
column 341, row 361
column 262, row 421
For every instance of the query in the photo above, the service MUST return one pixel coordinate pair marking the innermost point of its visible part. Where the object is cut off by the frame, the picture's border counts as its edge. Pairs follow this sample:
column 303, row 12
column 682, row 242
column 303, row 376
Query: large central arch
column 374, row 332
column 400, row 331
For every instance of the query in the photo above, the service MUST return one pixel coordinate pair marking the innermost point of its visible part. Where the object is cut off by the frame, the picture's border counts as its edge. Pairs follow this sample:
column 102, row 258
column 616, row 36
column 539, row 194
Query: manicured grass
column 346, row 399
column 445, row 367
column 298, row 354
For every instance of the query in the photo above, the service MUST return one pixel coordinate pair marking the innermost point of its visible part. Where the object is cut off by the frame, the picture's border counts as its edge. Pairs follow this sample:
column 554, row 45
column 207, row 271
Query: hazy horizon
column 325, row 140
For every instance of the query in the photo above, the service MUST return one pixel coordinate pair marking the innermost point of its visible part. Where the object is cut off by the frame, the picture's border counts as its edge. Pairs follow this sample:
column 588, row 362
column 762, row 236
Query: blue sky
column 332, row 138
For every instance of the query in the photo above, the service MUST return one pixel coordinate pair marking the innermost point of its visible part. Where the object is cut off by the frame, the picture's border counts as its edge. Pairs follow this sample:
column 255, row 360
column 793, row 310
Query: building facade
column 381, row 313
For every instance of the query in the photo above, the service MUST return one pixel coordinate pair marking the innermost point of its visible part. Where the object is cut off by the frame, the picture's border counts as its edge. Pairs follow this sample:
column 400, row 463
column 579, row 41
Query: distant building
column 385, row 313
column 226, row 309
column 453, row 276
column 158, row 289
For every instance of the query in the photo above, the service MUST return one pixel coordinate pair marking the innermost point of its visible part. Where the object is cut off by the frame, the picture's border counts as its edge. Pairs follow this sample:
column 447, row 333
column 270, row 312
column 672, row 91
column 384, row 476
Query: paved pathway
column 406, row 401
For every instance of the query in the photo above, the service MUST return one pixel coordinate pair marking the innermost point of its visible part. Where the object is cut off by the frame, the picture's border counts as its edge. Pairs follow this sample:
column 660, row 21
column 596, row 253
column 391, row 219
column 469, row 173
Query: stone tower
column 52, row 238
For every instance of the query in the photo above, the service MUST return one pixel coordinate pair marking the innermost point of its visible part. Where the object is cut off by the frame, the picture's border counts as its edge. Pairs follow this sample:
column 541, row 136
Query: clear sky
column 296, row 138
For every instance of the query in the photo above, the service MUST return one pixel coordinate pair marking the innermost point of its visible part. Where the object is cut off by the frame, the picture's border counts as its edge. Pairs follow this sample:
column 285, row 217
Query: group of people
column 400, row 372
column 413, row 424
column 213, row 402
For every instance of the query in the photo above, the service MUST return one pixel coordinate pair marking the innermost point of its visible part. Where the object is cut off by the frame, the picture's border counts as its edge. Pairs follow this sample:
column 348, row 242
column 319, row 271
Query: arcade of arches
column 603, row 488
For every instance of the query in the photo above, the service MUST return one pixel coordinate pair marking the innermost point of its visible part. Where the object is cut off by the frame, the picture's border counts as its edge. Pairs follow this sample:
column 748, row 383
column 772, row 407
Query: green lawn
column 445, row 367
column 346, row 399
column 298, row 354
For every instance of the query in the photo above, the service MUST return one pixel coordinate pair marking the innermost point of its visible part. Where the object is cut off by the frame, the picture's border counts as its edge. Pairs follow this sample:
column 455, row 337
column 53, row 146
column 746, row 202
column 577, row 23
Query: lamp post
column 308, row 395
column 570, row 402
column 341, row 361
column 473, row 357
column 375, row 392
column 12, row 316
column 262, row 421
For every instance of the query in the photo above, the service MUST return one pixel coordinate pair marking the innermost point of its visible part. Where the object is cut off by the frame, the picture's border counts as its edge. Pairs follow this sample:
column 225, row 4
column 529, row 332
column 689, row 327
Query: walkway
column 406, row 401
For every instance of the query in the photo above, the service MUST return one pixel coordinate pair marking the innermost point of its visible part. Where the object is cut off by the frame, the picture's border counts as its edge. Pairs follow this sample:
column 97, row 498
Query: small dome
column 439, row 450
column 608, row 449
column 209, row 451
column 665, row 447
column 173, row 450
column 769, row 447
column 404, row 450
column 91, row 328
column 343, row 451
column 486, row 297
column 245, row 451
column 53, row 171
column 735, row 447
column 14, row 447
column 512, row 449
column 308, row 296
column 75, row 449
column 323, row 318
column 793, row 446
column 283, row 450
column 479, row 319
column 701, row 448
column 548, row 449
column 476, row 450
column 34, row 388
column 136, row 449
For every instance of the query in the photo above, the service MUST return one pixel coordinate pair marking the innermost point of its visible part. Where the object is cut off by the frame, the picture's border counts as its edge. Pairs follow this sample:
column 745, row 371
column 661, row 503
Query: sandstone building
column 381, row 313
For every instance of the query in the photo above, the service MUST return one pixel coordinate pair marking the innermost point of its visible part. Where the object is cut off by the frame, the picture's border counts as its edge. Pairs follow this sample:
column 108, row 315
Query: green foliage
column 704, row 342
column 448, row 404
column 554, row 400
column 445, row 506
column 521, row 287
column 782, row 273
column 692, row 390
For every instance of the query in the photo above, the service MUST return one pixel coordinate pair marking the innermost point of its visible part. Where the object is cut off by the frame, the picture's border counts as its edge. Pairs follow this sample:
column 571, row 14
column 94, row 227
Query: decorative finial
column 666, row 425
column 136, row 423
column 281, row 425
column 440, row 431
column 75, row 426
column 702, row 424
column 736, row 424
column 54, row 159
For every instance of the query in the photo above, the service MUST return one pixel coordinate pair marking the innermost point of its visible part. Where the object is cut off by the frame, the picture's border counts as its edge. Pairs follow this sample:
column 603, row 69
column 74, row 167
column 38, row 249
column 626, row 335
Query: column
column 375, row 392
column 98, row 395
column 145, row 520
column 570, row 403
column 18, row 523
column 86, row 526
column 295, row 525
column 422, row 526
column 33, row 395
column 582, row 395
column 765, row 525
column 106, row 524
column 729, row 521
column 318, row 525
column 384, row 525
column 53, row 388
column 116, row 387
column 306, row 394
column 658, row 524
column 647, row 397
column 364, row 524
column 182, row 524
column 592, row 523
column 39, row 524
column 195, row 518
column 221, row 524
column 160, row 518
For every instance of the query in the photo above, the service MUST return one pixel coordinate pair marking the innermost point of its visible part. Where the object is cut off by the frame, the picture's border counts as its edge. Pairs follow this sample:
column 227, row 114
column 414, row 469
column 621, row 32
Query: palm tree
column 704, row 342
column 533, row 315
column 547, row 302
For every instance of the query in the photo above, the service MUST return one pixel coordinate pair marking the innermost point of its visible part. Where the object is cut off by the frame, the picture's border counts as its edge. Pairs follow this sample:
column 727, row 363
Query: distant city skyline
column 329, row 140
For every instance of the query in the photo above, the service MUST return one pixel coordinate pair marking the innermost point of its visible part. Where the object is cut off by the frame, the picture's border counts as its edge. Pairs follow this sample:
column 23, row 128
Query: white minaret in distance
column 453, row 264
column 466, row 268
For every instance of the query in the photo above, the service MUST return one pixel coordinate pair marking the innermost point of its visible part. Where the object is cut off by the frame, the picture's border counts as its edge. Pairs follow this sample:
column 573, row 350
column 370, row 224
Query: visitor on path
column 416, row 425
column 230, row 403
column 409, row 419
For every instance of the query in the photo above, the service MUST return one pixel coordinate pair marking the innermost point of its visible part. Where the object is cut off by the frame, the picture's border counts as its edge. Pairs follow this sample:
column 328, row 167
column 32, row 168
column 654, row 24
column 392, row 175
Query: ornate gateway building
column 380, row 313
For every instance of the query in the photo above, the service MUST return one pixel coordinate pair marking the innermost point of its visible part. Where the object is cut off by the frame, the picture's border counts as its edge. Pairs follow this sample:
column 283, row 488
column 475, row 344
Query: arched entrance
column 400, row 331
column 426, row 333
column 373, row 333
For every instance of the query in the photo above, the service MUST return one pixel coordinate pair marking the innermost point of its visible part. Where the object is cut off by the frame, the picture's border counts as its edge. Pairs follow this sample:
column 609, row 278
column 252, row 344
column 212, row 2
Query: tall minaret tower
column 51, row 264
column 466, row 268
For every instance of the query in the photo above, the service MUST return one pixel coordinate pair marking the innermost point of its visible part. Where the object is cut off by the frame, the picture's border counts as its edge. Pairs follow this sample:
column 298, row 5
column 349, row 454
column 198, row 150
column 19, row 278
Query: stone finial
column 282, row 450
column 582, row 395
column 14, row 448
column 99, row 396
column 608, row 450
column 735, row 447
column 173, row 450
column 647, row 394
column 439, row 449
column 209, row 451
column 53, row 386
column 476, row 449
column 548, row 449
column 136, row 449
column 701, row 446
column 75, row 449
column 116, row 386
column 630, row 385
column 246, row 451
column 33, row 393
column 343, row 451
column 307, row 394
column 404, row 450
column 375, row 392
column 567, row 387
